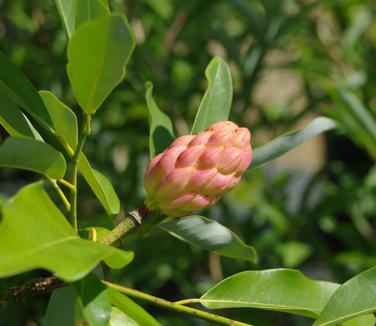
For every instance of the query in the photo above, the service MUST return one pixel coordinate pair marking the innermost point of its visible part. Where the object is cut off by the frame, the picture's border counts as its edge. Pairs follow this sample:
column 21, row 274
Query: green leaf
column 16, row 86
column 93, row 300
column 216, row 103
column 61, row 307
column 63, row 118
column 284, row 290
column 365, row 320
column 160, row 126
column 101, row 186
column 294, row 253
column 30, row 154
column 354, row 298
column 209, row 235
column 119, row 318
column 285, row 143
column 131, row 309
column 34, row 232
column 97, row 55
column 73, row 13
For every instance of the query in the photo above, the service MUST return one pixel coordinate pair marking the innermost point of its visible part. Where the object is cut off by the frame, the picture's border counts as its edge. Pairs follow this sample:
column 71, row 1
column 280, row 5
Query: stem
column 187, row 301
column 175, row 306
column 60, row 193
column 85, row 131
column 67, row 184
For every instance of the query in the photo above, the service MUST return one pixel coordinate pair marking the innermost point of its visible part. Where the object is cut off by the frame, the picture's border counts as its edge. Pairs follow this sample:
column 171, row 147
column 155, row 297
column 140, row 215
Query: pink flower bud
column 196, row 170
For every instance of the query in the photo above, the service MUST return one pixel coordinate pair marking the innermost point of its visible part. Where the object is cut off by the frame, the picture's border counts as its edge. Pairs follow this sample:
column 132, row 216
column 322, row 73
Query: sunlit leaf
column 34, row 233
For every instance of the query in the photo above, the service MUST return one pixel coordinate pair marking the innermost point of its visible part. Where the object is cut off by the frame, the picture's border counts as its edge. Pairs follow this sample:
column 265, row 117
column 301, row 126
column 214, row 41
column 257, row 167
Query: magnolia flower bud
column 196, row 170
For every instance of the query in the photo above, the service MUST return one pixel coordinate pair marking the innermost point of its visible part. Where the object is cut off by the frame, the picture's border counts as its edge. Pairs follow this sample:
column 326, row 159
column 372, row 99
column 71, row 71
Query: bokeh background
column 313, row 209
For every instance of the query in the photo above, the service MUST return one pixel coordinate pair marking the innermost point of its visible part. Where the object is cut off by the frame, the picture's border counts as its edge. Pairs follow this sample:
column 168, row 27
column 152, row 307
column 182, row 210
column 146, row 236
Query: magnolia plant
column 184, row 175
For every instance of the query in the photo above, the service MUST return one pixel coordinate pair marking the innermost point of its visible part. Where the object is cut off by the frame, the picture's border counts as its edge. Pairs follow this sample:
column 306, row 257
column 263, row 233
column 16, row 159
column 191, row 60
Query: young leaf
column 284, row 290
column 97, row 55
column 209, row 235
column 73, row 13
column 100, row 185
column 93, row 300
column 16, row 86
column 160, row 126
column 354, row 298
column 285, row 143
column 61, row 307
column 131, row 309
column 216, row 103
column 30, row 154
column 34, row 232
column 63, row 118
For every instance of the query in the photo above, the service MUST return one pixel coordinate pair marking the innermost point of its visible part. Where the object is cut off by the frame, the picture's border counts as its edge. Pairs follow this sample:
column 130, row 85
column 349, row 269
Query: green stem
column 60, row 193
column 116, row 233
column 85, row 131
column 175, row 306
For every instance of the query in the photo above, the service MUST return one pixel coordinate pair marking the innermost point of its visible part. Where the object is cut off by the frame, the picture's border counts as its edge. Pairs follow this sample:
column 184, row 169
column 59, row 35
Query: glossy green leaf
column 285, row 143
column 97, row 55
column 131, row 309
column 209, row 235
column 216, row 103
column 61, row 307
column 30, row 154
column 354, row 298
column 119, row 318
column 73, row 13
column 100, row 185
column 16, row 86
column 34, row 232
column 284, row 290
column 93, row 300
column 63, row 118
column 160, row 125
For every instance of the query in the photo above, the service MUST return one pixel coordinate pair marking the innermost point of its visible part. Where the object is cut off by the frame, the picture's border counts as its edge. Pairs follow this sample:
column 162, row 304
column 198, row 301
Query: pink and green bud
column 196, row 170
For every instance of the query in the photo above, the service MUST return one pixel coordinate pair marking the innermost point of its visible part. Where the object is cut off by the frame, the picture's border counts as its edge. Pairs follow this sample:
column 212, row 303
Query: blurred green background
column 313, row 209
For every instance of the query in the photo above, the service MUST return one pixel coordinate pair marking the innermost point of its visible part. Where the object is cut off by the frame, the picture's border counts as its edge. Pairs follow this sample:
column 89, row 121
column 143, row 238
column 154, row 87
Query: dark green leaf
column 216, row 103
column 354, row 298
column 97, row 55
column 63, row 118
column 30, row 154
column 131, row 309
column 16, row 86
column 209, row 235
column 160, row 126
column 61, row 307
column 34, row 232
column 285, row 143
column 100, row 185
column 73, row 13
column 284, row 290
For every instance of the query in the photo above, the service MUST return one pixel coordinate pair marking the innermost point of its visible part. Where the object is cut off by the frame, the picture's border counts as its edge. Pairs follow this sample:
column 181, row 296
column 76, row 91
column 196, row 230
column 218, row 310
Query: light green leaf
column 160, row 126
column 131, row 309
column 73, row 13
column 354, row 298
column 97, row 55
column 34, row 232
column 284, row 290
column 119, row 318
column 63, row 118
column 216, row 103
column 209, row 235
column 285, row 143
column 93, row 300
column 15, row 85
column 61, row 307
column 30, row 154
column 294, row 253
column 100, row 185
column 365, row 320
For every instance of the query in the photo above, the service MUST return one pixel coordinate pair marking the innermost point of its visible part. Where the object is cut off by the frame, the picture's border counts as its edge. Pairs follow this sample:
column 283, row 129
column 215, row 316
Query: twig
column 60, row 193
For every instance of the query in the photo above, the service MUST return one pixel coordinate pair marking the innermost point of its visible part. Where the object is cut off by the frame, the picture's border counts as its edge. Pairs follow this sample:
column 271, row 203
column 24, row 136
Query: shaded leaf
column 97, row 55
column 34, row 232
column 209, row 235
column 131, row 309
column 216, row 103
column 354, row 298
column 161, row 132
column 63, row 118
column 100, row 185
column 285, row 143
column 284, row 290
column 30, row 154
column 16, row 86
column 61, row 307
